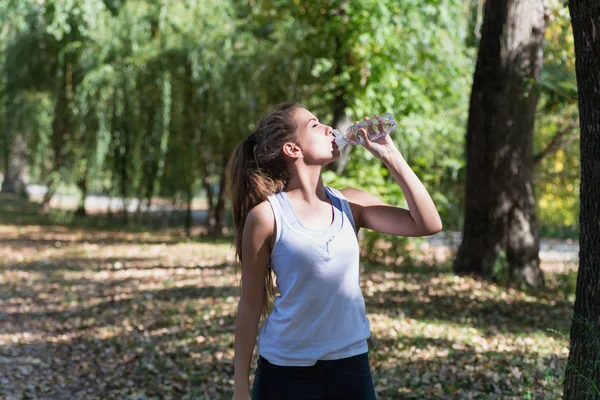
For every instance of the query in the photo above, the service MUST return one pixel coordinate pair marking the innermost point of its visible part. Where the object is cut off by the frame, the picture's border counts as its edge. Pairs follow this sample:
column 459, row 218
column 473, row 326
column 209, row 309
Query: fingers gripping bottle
column 376, row 127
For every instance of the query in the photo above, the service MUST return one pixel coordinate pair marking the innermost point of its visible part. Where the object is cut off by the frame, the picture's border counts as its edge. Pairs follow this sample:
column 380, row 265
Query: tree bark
column 189, row 196
column 191, row 114
column 150, row 159
column 122, row 150
column 62, row 126
column 83, row 189
column 582, row 375
column 499, row 205
column 217, row 222
column 15, row 165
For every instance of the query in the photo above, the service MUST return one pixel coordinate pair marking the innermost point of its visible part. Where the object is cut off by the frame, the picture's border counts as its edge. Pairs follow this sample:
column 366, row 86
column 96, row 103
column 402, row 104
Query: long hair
column 257, row 169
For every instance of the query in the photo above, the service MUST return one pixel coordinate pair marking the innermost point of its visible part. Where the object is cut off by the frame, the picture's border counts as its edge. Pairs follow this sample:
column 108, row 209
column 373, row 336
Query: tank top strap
column 277, row 212
column 286, row 208
column 346, row 209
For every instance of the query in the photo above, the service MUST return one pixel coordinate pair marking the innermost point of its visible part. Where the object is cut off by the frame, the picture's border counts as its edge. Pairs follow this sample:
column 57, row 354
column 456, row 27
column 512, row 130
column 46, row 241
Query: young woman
column 313, row 344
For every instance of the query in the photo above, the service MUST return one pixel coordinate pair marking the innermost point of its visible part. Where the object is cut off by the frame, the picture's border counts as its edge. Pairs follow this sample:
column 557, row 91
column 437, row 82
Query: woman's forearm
column 246, row 328
column 420, row 205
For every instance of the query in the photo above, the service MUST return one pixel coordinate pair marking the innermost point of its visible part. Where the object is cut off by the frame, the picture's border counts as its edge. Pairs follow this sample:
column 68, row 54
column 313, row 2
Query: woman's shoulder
column 261, row 213
column 259, row 227
column 349, row 193
column 359, row 197
column 337, row 192
column 260, row 223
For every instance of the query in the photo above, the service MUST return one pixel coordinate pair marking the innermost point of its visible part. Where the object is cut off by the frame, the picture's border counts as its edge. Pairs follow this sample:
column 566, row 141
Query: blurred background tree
column 499, row 203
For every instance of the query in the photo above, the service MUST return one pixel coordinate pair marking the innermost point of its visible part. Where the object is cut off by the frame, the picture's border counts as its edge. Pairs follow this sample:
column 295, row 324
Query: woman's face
column 315, row 140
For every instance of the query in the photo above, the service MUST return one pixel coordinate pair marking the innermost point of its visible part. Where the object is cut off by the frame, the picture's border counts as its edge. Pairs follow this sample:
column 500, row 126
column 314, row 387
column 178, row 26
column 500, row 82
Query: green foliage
column 143, row 99
column 557, row 176
column 500, row 270
column 412, row 61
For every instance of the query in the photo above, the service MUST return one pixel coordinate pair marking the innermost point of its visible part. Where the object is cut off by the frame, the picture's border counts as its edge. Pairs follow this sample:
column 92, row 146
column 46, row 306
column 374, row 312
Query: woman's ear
column 292, row 150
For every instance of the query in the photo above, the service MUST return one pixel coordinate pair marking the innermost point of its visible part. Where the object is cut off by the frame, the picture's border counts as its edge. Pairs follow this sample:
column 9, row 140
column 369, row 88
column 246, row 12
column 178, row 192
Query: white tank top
column 320, row 313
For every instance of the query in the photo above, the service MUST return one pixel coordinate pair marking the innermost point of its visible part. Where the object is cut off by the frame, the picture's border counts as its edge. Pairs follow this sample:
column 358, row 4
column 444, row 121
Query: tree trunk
column 82, row 185
column 109, row 212
column 137, row 214
column 62, row 126
column 499, row 205
column 123, row 153
column 208, row 188
column 217, row 223
column 51, row 186
column 150, row 160
column 188, row 212
column 582, row 375
column 15, row 165
column 191, row 114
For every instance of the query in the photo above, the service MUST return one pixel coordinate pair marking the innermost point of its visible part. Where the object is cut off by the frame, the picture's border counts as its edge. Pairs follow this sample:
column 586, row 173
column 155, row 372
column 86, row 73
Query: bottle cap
column 339, row 139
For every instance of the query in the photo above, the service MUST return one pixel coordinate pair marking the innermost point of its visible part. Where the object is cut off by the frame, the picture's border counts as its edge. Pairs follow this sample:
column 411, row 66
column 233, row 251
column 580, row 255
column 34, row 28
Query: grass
column 102, row 313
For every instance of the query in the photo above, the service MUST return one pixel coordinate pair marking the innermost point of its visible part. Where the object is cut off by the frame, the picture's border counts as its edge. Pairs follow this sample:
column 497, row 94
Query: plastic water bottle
column 376, row 127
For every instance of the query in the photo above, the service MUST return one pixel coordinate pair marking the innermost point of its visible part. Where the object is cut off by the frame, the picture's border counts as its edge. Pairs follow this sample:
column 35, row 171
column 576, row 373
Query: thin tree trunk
column 109, row 213
column 209, row 197
column 123, row 156
column 218, row 222
column 499, row 204
column 82, row 185
column 15, row 165
column 51, row 186
column 188, row 212
column 150, row 165
column 137, row 215
column 62, row 126
column 582, row 375
column 6, row 156
column 191, row 114
column 148, row 210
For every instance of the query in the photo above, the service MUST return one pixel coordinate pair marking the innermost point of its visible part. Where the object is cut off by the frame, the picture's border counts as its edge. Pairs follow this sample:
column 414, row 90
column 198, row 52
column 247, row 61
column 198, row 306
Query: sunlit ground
column 101, row 314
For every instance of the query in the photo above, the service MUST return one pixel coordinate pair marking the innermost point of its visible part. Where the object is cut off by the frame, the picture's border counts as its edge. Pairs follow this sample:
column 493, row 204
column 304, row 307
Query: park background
column 117, row 120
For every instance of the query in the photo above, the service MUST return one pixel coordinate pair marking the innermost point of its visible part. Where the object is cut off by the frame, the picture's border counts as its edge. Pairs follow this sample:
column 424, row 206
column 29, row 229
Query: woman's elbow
column 433, row 228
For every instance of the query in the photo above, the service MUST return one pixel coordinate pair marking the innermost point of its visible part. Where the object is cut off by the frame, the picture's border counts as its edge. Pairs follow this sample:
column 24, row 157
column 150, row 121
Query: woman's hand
column 382, row 148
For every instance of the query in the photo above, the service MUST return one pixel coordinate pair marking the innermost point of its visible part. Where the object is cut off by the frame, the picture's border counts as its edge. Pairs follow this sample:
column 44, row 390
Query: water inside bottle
column 376, row 127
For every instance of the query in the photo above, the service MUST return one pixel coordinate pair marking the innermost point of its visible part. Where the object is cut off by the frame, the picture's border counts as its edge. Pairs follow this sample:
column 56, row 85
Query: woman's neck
column 307, row 185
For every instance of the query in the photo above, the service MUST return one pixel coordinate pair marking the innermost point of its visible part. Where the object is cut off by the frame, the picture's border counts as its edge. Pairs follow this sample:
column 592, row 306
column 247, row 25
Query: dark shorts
column 347, row 379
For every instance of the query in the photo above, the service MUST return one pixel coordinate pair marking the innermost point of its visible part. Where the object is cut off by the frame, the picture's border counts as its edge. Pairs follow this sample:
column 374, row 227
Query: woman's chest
column 320, row 257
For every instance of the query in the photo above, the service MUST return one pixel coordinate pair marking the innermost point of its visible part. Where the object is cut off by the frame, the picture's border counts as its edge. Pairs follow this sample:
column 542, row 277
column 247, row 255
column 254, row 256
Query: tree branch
column 556, row 143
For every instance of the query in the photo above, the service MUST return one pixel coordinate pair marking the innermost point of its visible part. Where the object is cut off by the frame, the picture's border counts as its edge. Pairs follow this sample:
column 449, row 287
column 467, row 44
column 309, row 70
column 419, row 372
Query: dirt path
column 92, row 314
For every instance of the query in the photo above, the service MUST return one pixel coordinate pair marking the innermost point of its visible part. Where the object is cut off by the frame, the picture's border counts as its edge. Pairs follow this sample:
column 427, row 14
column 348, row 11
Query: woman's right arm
column 256, row 252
